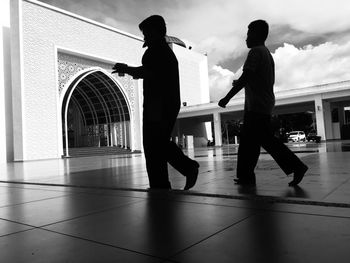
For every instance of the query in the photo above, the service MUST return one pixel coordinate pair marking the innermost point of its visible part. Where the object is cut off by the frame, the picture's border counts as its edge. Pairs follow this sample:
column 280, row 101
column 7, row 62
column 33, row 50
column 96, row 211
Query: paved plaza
column 99, row 209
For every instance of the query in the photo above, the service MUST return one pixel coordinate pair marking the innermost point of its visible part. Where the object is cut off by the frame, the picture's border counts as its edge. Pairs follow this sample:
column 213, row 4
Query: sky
column 309, row 39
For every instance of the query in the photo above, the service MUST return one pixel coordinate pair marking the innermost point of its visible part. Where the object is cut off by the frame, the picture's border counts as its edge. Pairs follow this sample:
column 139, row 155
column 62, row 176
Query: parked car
column 296, row 136
column 312, row 136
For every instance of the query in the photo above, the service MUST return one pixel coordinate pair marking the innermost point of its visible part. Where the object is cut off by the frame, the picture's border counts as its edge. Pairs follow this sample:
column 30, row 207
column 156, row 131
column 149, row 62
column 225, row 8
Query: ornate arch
column 101, row 101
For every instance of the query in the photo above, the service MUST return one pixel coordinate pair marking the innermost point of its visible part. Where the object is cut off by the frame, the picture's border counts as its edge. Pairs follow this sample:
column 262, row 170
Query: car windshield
column 293, row 133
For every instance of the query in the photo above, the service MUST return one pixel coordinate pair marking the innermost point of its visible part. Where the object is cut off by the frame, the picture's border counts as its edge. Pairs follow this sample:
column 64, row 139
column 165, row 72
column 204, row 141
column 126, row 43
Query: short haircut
column 156, row 23
column 260, row 28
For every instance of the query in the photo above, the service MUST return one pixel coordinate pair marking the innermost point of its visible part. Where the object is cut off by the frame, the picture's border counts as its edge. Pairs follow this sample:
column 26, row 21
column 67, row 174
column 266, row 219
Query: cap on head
column 155, row 23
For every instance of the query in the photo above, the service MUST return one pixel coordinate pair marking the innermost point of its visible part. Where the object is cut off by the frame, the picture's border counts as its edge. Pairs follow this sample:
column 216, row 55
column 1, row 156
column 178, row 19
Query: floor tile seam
column 271, row 199
column 262, row 198
column 101, row 243
column 33, row 188
column 17, row 232
column 33, row 201
column 111, row 195
column 212, row 235
column 302, row 213
column 260, row 209
column 204, row 203
column 91, row 214
column 71, row 191
column 19, row 223
column 336, row 188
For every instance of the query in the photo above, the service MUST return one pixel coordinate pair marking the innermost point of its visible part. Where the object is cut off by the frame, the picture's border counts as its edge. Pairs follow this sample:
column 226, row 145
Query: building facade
column 57, row 90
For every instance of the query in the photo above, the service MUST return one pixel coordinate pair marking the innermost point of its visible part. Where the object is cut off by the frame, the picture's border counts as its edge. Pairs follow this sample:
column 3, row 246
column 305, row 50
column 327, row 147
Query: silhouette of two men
column 161, row 91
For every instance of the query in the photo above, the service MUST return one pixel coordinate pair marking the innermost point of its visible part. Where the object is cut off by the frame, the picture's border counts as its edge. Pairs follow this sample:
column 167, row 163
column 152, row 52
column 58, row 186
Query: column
column 121, row 134
column 217, row 128
column 341, row 118
column 327, row 112
column 125, row 135
column 323, row 118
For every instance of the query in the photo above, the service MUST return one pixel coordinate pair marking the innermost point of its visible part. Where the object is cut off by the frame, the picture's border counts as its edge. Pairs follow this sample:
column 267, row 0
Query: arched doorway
column 95, row 113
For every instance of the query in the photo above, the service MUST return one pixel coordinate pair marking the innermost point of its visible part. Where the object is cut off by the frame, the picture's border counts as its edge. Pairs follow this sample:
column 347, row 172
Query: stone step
column 96, row 151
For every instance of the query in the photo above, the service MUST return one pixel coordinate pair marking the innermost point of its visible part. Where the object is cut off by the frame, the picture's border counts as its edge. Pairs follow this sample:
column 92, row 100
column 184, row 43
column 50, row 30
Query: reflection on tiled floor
column 64, row 224
column 326, row 181
column 98, row 209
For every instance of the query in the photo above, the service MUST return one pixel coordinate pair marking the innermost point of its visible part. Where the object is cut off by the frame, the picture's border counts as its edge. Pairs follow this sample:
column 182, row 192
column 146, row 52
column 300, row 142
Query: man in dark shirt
column 161, row 105
column 258, row 79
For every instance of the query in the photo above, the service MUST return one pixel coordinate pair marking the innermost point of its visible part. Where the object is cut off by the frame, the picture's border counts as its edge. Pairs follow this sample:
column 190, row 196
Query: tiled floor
column 98, row 209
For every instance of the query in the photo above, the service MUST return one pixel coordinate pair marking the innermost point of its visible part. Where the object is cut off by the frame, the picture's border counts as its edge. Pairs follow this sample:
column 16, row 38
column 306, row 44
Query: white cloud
column 311, row 65
column 295, row 68
column 219, row 27
column 219, row 49
column 220, row 82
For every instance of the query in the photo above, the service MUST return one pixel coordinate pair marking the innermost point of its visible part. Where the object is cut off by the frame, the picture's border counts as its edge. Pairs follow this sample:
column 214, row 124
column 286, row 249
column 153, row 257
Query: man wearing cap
column 161, row 105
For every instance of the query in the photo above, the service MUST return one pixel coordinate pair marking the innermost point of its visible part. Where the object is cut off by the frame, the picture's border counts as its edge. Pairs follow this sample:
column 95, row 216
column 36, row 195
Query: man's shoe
column 244, row 182
column 191, row 177
column 298, row 176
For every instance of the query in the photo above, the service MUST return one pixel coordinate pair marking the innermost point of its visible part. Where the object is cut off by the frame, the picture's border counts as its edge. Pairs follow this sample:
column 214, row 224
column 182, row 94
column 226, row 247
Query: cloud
column 311, row 65
column 318, row 33
column 219, row 27
column 295, row 68
column 220, row 82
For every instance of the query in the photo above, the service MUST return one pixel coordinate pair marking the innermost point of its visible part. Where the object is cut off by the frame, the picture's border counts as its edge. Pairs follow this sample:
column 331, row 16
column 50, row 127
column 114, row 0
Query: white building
column 57, row 90
column 328, row 105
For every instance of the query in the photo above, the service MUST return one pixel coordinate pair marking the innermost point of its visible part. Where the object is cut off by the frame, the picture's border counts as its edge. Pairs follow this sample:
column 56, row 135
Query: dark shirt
column 259, row 96
column 161, row 89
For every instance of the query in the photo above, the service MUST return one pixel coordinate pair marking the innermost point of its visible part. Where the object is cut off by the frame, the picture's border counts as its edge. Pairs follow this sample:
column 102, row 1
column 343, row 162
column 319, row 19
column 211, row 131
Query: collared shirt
column 259, row 96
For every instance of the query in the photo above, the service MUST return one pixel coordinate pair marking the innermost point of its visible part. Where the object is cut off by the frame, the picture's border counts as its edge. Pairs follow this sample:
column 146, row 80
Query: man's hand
column 120, row 68
column 234, row 82
column 223, row 102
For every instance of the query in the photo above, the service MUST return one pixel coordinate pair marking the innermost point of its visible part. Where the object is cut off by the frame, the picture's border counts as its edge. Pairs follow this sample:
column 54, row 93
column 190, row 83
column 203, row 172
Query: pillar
column 125, row 135
column 217, row 129
column 323, row 118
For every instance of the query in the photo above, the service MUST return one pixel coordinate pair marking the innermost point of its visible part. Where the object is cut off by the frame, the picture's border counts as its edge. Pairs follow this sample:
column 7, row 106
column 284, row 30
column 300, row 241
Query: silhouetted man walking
column 258, row 78
column 161, row 105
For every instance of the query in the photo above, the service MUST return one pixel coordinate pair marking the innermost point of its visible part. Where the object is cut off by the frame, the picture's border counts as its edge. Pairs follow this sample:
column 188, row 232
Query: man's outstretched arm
column 237, row 85
column 136, row 72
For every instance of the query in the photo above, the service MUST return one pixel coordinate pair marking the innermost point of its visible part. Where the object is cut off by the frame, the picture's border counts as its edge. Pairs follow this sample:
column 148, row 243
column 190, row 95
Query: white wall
column 40, row 30
column 6, row 144
column 193, row 68
column 3, row 147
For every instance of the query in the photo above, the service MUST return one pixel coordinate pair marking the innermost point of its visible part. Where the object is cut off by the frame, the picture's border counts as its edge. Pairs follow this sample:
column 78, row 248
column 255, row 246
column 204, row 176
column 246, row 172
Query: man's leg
column 156, row 162
column 185, row 165
column 284, row 157
column 248, row 151
column 176, row 158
